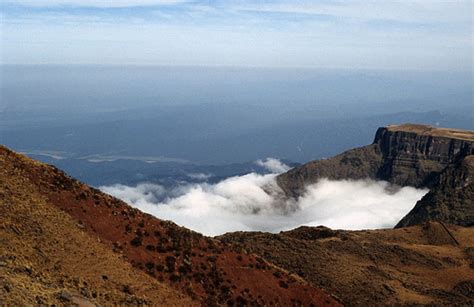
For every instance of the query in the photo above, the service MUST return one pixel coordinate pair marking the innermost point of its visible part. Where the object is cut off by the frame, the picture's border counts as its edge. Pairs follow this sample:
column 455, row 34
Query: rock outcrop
column 405, row 155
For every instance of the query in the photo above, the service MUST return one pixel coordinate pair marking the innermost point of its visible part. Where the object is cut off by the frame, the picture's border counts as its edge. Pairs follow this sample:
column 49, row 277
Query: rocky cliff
column 451, row 199
column 414, row 155
column 405, row 155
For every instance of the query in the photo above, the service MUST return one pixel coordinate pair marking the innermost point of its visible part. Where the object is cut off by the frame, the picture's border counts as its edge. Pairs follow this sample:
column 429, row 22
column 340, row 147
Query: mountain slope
column 203, row 268
column 428, row 264
column 405, row 155
column 46, row 257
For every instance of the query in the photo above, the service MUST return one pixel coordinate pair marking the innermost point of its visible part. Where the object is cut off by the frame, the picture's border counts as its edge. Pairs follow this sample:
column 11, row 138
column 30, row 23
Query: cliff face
column 451, row 199
column 406, row 155
column 414, row 155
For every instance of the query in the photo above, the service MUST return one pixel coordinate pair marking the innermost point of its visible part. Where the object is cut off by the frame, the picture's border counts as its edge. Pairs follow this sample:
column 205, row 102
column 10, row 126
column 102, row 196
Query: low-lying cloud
column 273, row 165
column 199, row 176
column 255, row 202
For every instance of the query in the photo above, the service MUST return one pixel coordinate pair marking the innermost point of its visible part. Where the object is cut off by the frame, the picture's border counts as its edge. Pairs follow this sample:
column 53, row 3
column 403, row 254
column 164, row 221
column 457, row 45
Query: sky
column 358, row 34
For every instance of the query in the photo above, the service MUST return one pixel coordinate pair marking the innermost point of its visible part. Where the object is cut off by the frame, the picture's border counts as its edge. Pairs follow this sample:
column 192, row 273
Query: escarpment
column 414, row 155
column 451, row 199
column 405, row 155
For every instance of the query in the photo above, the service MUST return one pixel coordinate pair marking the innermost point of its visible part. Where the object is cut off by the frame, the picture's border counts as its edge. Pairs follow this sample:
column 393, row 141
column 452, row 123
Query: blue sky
column 359, row 34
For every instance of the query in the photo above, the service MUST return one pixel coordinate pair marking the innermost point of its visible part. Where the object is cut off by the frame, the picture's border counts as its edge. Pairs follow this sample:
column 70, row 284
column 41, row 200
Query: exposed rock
column 451, row 199
column 414, row 155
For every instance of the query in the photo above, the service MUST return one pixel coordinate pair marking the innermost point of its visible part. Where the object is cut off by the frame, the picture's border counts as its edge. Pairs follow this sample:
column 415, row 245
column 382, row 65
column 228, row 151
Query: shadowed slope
column 451, row 199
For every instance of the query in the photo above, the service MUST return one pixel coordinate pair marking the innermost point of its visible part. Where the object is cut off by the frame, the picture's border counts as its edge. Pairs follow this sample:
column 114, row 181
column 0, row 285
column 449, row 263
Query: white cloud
column 273, row 165
column 95, row 3
column 255, row 202
column 199, row 176
column 141, row 194
column 418, row 11
column 413, row 11
column 414, row 35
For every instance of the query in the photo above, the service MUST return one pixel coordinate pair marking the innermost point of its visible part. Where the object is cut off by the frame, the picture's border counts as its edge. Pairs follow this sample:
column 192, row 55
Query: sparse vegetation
column 137, row 241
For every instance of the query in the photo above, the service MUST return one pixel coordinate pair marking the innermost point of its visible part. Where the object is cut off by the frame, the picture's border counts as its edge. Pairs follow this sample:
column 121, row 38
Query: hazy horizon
column 409, row 34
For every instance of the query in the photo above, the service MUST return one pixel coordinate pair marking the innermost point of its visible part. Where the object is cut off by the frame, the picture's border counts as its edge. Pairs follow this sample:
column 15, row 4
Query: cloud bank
column 254, row 202
column 95, row 3
column 273, row 165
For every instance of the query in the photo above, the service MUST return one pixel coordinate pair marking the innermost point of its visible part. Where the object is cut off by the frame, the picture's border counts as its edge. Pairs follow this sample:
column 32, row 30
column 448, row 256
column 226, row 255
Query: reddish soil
column 429, row 264
column 203, row 268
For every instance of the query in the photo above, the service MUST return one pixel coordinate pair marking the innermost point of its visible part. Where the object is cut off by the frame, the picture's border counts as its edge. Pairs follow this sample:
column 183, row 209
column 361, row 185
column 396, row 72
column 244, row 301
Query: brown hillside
column 203, row 268
column 428, row 264
column 47, row 258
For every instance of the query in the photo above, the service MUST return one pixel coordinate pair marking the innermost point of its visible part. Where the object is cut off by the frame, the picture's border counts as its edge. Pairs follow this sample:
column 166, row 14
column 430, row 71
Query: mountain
column 63, row 241
column 46, row 256
column 405, row 155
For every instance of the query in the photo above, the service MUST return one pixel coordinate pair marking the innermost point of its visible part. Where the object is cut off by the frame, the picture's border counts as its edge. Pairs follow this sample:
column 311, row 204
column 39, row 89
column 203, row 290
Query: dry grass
column 413, row 265
column 467, row 135
column 47, row 258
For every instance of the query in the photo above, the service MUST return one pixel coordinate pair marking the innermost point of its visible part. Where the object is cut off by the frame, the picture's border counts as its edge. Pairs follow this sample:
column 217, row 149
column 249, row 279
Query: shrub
column 137, row 241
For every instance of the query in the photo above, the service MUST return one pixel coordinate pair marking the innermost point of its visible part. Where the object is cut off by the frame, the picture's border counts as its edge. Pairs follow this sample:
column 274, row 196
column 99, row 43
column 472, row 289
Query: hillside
column 46, row 256
column 68, row 241
column 404, row 155
column 429, row 264
column 63, row 242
